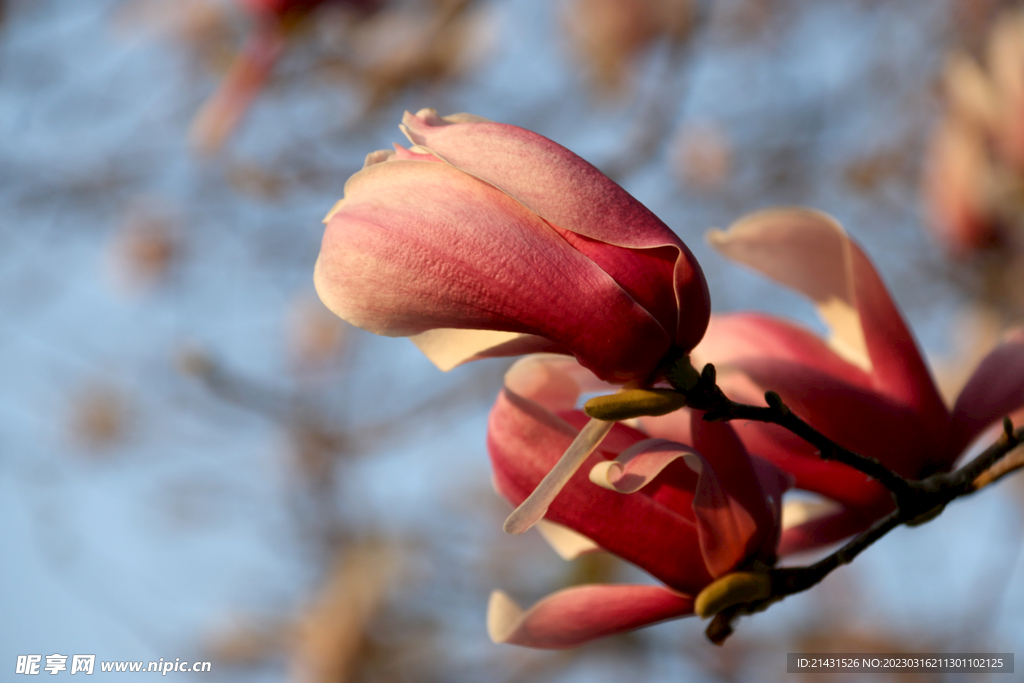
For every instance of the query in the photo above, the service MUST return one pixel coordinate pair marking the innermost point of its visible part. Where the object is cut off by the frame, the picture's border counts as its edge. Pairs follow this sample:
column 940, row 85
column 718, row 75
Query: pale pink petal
column 567, row 543
column 553, row 381
column 397, row 261
column 744, row 335
column 415, row 154
column 447, row 348
column 822, row 531
column 672, row 427
column 810, row 252
column 996, row 389
column 531, row 510
column 570, row 193
column 797, row 512
column 637, row 466
column 578, row 615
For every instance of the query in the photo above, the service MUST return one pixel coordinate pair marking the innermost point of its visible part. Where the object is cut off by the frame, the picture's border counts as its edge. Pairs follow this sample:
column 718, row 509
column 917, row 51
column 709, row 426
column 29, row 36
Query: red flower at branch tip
column 867, row 387
column 687, row 513
column 485, row 239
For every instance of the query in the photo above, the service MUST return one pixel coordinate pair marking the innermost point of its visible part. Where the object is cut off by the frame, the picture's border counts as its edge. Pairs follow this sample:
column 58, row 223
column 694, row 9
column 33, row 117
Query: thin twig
column 917, row 501
column 708, row 396
column 1010, row 463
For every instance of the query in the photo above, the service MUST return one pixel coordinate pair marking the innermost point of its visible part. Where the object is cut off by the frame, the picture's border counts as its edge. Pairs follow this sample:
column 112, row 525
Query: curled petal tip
column 503, row 614
column 602, row 474
column 379, row 156
column 638, row 465
column 693, row 462
column 567, row 543
column 334, row 209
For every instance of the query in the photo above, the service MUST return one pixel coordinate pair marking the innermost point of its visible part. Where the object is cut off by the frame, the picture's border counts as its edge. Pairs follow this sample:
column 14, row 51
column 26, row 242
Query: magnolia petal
column 377, row 157
column 447, row 348
column 822, row 531
column 396, row 261
column 725, row 529
column 553, row 381
column 862, row 420
column 637, row 466
column 718, row 447
column 1005, row 54
column 672, row 427
column 774, row 483
column 546, row 177
column 996, row 389
column 567, row 543
column 809, row 472
column 809, row 251
column 800, row 511
column 736, row 336
column 578, row 615
column 531, row 510
column 652, row 529
column 573, row 195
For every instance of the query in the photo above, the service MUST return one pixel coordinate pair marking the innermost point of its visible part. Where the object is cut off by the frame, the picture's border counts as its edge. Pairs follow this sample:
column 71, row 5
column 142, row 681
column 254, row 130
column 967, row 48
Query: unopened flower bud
column 732, row 589
column 631, row 403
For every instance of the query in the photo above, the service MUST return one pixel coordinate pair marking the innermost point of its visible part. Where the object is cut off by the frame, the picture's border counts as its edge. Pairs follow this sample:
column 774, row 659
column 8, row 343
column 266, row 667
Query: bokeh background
column 198, row 461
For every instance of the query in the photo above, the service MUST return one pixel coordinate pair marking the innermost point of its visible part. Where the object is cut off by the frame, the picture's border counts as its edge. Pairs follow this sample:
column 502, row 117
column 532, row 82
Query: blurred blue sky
column 195, row 514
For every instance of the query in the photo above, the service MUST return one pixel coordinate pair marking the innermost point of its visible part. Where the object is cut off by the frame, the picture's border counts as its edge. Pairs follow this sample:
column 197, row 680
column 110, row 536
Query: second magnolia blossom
column 485, row 239
column 867, row 387
column 686, row 511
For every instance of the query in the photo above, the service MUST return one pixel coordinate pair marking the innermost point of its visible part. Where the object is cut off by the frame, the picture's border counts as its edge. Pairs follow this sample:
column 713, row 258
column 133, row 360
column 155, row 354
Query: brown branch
column 917, row 501
column 706, row 395
column 1010, row 463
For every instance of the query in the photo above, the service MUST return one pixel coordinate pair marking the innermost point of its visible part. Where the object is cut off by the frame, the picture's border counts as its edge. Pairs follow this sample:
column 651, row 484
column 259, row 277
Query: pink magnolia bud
column 485, row 239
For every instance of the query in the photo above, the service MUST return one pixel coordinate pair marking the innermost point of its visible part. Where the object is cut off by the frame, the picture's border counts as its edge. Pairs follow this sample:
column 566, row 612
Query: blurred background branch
column 196, row 458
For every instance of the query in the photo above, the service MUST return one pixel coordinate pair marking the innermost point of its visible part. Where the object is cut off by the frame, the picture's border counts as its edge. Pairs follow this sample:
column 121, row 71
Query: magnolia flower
column 867, row 387
column 976, row 155
column 687, row 513
column 486, row 240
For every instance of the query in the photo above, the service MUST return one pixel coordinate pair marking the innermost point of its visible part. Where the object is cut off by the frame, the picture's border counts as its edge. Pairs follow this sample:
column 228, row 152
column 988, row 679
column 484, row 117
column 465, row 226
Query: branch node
column 708, row 376
column 775, row 402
